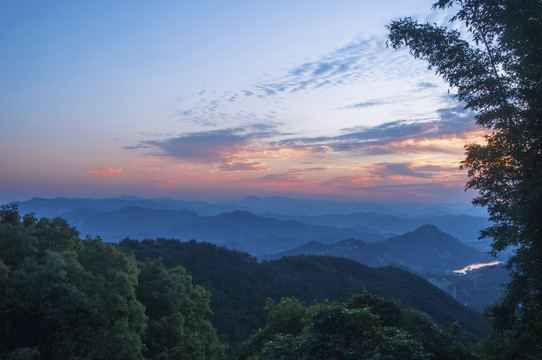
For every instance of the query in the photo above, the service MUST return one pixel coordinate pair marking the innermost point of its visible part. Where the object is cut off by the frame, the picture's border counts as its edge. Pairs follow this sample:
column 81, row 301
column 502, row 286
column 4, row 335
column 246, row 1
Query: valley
column 431, row 242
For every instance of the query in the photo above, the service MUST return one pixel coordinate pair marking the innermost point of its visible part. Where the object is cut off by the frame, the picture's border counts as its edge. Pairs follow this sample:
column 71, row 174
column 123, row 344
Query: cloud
column 202, row 147
column 278, row 178
column 386, row 170
column 169, row 183
column 396, row 189
column 163, row 183
column 105, row 172
column 394, row 171
column 362, row 59
column 395, row 136
column 286, row 177
column 336, row 68
column 366, row 104
column 426, row 85
column 238, row 166
column 233, row 148
column 312, row 169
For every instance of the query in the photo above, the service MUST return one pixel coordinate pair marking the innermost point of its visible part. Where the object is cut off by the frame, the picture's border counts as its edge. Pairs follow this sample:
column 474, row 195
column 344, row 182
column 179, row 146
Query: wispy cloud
column 278, row 178
column 169, row 183
column 336, row 68
column 361, row 61
column 379, row 188
column 386, row 170
column 105, row 172
column 202, row 147
column 288, row 176
column 234, row 149
column 426, row 85
column 252, row 147
column 243, row 166
column 395, row 136
column 367, row 104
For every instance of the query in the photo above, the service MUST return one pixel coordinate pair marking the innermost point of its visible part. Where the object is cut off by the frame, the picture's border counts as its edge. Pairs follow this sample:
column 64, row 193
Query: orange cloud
column 169, row 183
column 105, row 172
column 242, row 166
column 443, row 145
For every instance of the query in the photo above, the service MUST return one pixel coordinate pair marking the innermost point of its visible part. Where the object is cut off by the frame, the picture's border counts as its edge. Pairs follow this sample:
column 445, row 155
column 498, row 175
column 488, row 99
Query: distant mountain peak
column 428, row 228
column 351, row 242
column 422, row 236
column 238, row 214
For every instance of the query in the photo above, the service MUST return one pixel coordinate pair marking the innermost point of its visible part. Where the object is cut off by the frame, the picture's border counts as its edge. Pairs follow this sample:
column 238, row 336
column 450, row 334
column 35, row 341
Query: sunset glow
column 106, row 172
column 155, row 108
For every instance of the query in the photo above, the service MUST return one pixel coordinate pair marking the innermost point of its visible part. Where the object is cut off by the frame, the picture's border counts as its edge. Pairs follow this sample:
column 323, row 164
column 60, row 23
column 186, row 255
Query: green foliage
column 177, row 327
column 365, row 327
column 65, row 298
column 499, row 75
column 284, row 318
column 240, row 286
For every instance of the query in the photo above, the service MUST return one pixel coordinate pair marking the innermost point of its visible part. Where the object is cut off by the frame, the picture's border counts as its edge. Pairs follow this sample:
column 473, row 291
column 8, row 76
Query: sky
column 218, row 100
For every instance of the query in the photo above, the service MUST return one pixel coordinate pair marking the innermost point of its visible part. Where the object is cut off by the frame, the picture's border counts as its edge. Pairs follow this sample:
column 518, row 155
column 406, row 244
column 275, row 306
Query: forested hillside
column 64, row 297
column 240, row 285
column 364, row 327
column 425, row 250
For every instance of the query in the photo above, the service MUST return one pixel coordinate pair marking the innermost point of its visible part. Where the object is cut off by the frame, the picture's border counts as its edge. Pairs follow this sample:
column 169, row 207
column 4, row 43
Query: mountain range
column 332, row 221
column 240, row 285
column 271, row 228
column 425, row 250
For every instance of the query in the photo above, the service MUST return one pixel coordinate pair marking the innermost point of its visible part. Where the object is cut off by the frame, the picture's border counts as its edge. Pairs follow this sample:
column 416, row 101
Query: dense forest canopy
column 240, row 285
column 364, row 327
column 65, row 297
column 62, row 297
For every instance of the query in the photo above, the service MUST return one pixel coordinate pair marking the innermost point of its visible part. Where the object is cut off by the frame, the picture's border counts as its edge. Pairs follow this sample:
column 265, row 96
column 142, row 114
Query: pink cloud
column 236, row 166
column 105, row 172
column 169, row 183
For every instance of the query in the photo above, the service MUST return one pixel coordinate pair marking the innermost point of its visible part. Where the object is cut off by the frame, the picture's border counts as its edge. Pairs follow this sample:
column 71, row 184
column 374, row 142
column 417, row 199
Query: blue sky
column 223, row 99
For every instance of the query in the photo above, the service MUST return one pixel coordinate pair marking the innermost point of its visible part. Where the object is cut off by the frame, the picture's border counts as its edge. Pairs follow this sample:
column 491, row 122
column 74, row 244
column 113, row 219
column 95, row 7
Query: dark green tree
column 285, row 318
column 365, row 327
column 177, row 325
column 62, row 297
column 495, row 65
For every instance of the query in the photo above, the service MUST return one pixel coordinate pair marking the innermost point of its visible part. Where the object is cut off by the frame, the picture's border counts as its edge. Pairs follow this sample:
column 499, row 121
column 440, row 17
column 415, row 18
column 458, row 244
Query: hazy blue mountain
column 254, row 204
column 239, row 229
column 133, row 222
column 62, row 206
column 434, row 250
column 427, row 249
column 370, row 254
column 463, row 227
column 428, row 252
column 310, row 207
column 347, row 219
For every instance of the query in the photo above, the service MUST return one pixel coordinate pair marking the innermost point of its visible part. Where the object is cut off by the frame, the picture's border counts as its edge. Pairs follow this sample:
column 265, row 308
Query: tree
column 285, row 318
column 365, row 327
column 177, row 327
column 495, row 65
column 62, row 297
